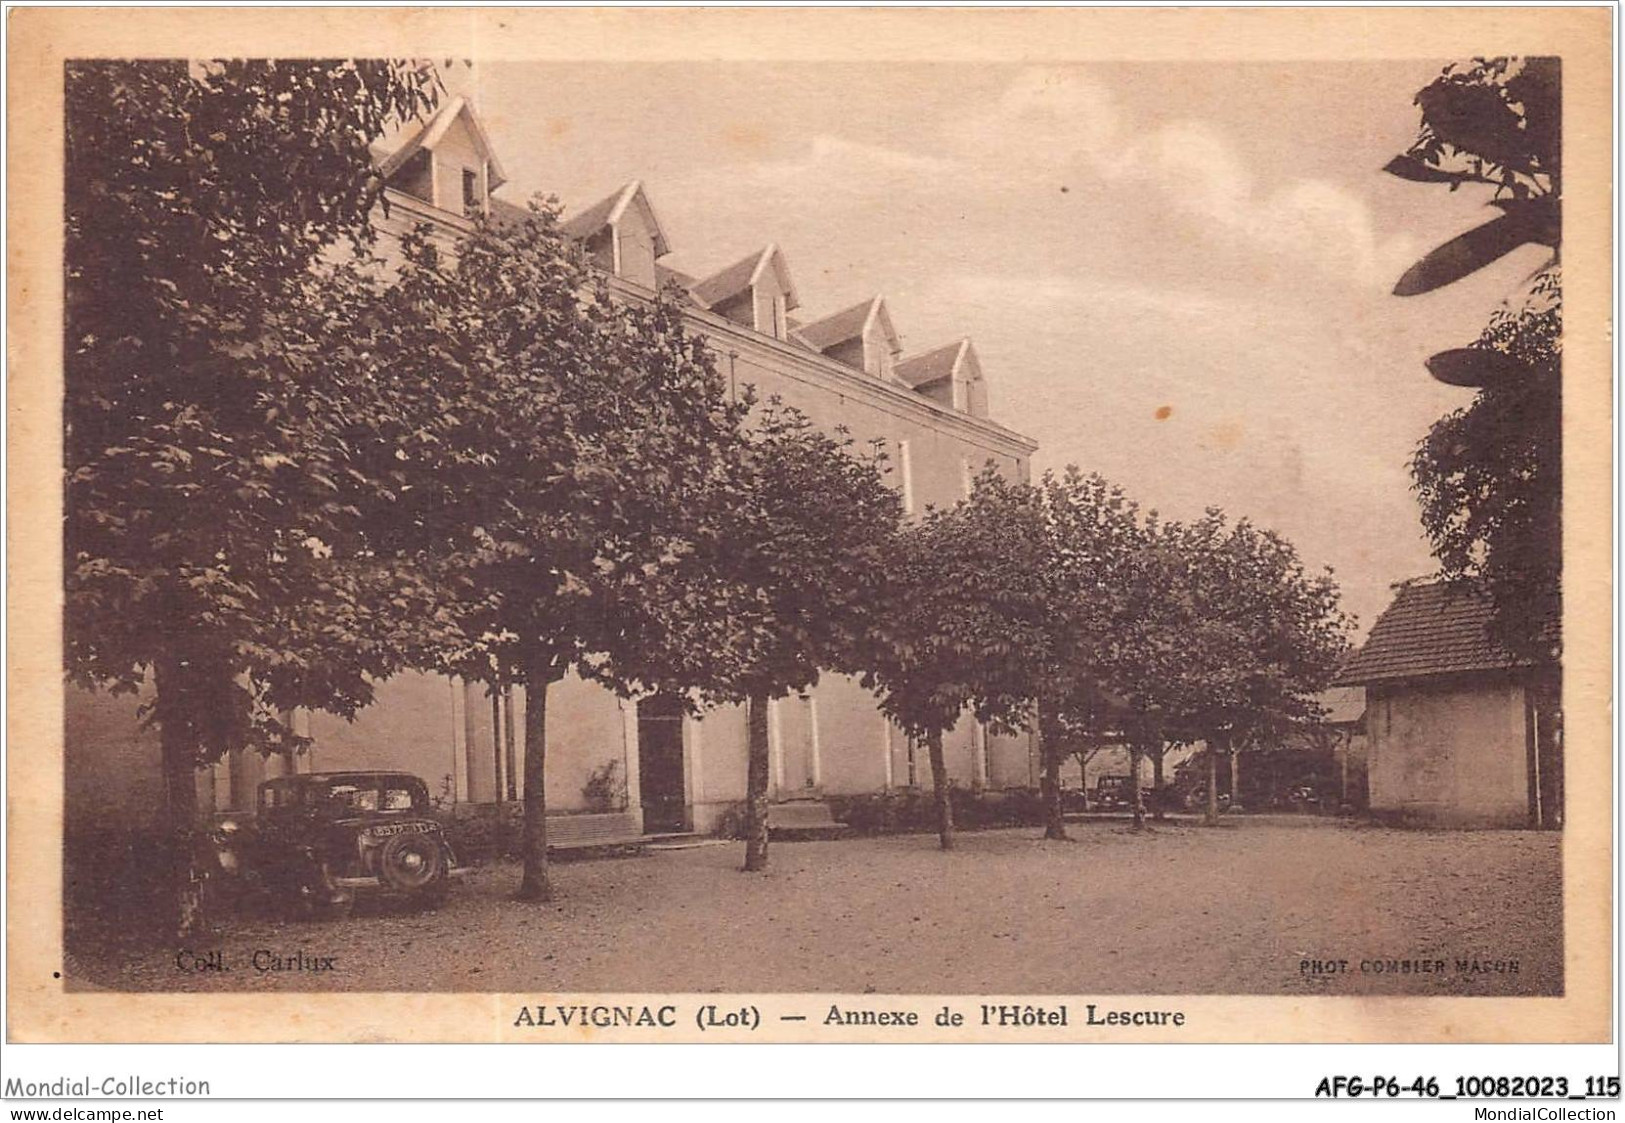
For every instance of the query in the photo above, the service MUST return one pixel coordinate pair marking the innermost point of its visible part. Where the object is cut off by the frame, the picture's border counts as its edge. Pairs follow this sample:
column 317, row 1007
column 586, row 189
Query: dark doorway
column 660, row 764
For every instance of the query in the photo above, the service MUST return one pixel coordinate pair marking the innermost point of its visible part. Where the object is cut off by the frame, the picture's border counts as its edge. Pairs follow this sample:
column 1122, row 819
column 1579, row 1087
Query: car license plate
column 399, row 828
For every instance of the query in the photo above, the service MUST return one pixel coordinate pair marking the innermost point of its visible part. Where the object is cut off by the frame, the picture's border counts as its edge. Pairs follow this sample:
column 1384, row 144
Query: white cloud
column 1054, row 121
column 1066, row 294
column 1073, row 113
column 831, row 161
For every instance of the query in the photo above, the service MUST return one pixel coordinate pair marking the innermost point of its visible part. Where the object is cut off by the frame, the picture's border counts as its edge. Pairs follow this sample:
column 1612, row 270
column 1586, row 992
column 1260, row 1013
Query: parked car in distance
column 316, row 840
column 1113, row 793
column 1304, row 797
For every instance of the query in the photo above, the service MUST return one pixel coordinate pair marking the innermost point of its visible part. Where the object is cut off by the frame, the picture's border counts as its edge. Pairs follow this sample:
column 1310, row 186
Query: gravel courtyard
column 1178, row 910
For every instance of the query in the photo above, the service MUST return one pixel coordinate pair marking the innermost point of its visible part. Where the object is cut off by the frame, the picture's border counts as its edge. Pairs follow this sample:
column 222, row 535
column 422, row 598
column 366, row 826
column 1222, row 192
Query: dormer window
column 446, row 161
column 416, row 176
column 861, row 337
column 951, row 375
column 625, row 226
column 755, row 292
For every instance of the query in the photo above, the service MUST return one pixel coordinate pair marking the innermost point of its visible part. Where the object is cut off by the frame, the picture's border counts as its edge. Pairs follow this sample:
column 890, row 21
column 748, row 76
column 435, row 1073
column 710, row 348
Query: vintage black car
column 317, row 839
column 1113, row 793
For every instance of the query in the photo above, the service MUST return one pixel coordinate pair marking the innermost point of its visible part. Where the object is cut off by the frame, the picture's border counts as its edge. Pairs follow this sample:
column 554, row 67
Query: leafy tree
column 210, row 538
column 1496, row 122
column 801, row 559
column 1489, row 477
column 1490, row 481
column 1147, row 673
column 563, row 452
column 1092, row 539
column 1258, row 637
column 964, row 593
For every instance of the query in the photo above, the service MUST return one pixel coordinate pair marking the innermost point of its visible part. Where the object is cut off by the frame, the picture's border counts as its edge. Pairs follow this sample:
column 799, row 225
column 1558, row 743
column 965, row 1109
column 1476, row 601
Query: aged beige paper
column 976, row 953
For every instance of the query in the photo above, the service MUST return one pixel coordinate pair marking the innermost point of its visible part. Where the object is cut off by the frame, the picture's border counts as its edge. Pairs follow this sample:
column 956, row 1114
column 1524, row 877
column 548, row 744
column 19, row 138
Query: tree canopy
column 561, row 453
column 962, row 601
column 795, row 570
column 1489, row 476
column 1496, row 122
column 208, row 509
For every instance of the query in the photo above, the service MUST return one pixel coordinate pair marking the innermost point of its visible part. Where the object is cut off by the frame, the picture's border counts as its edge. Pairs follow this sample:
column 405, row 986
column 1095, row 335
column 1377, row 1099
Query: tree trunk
column 496, row 748
column 1211, row 817
column 756, row 770
column 508, row 744
column 1157, row 779
column 535, row 885
column 179, row 752
column 1235, row 779
column 1134, row 785
column 939, row 790
column 1049, row 741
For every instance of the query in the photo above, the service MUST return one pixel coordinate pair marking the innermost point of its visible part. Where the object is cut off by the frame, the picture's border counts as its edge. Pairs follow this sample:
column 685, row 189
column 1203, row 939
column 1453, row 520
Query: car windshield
column 351, row 797
column 347, row 796
column 383, row 794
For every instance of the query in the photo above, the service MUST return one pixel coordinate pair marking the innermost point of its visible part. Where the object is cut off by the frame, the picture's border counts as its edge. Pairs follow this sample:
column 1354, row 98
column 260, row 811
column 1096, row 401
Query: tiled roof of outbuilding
column 1432, row 628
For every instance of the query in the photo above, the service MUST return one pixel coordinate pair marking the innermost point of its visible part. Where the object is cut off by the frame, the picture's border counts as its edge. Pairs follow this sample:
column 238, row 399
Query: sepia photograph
column 1087, row 536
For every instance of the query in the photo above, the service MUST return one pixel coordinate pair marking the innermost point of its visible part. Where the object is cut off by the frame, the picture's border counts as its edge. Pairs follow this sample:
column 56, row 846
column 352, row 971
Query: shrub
column 482, row 832
column 731, row 822
column 909, row 810
column 605, row 789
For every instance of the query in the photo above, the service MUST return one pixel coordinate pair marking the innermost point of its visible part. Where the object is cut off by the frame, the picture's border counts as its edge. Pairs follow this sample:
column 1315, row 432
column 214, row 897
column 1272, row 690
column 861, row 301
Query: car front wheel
column 412, row 863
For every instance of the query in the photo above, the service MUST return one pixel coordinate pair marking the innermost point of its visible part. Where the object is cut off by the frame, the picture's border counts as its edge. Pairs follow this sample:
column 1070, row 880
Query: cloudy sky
column 1176, row 275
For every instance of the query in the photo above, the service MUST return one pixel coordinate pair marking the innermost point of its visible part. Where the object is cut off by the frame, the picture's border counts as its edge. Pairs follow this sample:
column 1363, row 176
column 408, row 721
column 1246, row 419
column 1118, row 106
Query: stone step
column 800, row 815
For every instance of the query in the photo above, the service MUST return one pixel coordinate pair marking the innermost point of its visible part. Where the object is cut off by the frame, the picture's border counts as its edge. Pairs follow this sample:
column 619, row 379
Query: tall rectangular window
column 471, row 192
column 905, row 473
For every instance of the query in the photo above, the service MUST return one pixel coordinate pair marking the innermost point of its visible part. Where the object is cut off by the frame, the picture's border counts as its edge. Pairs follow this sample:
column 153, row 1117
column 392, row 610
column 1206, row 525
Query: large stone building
column 620, row 767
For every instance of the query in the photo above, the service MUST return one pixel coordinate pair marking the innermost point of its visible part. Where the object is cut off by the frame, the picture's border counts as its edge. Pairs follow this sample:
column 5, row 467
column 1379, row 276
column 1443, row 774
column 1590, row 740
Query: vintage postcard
column 824, row 525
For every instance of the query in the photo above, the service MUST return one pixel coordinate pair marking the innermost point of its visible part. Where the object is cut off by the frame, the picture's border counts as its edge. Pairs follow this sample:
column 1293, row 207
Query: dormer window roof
column 749, row 273
column 950, row 374
column 861, row 336
column 608, row 214
column 622, row 234
column 755, row 291
column 446, row 160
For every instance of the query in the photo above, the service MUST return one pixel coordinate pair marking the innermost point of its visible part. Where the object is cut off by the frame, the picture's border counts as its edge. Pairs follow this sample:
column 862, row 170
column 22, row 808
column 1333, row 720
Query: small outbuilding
column 1460, row 732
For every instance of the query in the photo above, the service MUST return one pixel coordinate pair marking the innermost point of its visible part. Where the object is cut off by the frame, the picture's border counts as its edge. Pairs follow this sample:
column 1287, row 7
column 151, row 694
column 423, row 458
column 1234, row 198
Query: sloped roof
column 746, row 273
column 934, row 365
column 1432, row 628
column 848, row 323
column 609, row 212
column 1342, row 705
column 428, row 134
column 504, row 213
column 665, row 275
